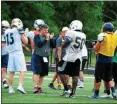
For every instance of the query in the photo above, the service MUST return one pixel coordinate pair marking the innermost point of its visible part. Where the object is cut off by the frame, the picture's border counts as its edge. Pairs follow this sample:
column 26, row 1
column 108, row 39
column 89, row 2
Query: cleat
column 11, row 91
column 106, row 96
column 114, row 96
column 94, row 97
column 66, row 93
column 72, row 96
column 35, row 90
column 40, row 90
column 21, row 89
column 59, row 87
column 51, row 86
column 5, row 84
column 80, row 85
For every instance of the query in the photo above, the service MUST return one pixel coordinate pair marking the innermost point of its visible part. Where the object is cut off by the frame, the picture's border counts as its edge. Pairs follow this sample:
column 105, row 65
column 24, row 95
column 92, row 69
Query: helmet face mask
column 38, row 23
column 76, row 25
column 17, row 22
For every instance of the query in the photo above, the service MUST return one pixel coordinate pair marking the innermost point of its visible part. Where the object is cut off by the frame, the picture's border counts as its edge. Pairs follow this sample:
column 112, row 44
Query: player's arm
column 67, row 41
column 59, row 49
column 24, row 38
column 26, row 48
column 96, row 47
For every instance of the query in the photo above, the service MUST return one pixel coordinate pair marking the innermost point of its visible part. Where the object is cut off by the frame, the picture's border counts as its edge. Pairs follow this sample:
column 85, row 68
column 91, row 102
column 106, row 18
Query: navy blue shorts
column 32, row 63
column 40, row 67
column 4, row 61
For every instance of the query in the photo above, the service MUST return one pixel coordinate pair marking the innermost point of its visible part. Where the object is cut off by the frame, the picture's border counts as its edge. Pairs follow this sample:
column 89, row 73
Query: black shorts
column 83, row 64
column 41, row 67
column 4, row 61
column 114, row 72
column 103, row 71
column 72, row 68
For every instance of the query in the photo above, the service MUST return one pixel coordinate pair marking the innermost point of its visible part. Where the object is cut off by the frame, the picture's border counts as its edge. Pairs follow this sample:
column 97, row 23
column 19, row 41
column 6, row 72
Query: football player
column 106, row 45
column 15, row 37
column 70, row 65
column 4, row 54
column 37, row 24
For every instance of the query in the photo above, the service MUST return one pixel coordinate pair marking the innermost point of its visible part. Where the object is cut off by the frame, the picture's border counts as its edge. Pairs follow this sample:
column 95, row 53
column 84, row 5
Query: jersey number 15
column 10, row 39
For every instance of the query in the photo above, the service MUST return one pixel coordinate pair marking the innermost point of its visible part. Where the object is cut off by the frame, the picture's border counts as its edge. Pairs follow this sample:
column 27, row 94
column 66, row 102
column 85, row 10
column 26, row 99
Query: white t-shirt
column 31, row 35
column 13, row 39
column 74, row 50
column 84, row 51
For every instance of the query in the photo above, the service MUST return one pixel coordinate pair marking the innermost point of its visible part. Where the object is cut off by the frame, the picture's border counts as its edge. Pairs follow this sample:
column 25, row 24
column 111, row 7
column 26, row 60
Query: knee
column 97, row 80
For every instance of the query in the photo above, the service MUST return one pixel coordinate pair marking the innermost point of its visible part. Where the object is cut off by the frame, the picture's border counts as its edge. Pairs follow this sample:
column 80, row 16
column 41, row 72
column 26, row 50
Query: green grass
column 51, row 96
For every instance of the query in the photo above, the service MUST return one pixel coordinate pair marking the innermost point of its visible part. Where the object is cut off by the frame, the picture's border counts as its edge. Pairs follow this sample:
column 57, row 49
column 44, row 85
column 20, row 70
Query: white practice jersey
column 31, row 35
column 13, row 39
column 74, row 50
column 84, row 51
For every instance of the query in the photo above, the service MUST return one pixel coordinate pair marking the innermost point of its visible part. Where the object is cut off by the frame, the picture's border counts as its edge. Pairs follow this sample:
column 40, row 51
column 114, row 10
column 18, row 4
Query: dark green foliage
column 58, row 14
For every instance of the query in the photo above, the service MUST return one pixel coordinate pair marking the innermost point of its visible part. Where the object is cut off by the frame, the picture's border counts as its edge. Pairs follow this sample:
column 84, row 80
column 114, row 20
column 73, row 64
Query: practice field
column 52, row 96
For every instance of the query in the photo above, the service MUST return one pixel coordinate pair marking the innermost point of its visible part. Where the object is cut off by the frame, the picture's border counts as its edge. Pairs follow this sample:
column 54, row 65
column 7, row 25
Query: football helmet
column 76, row 25
column 108, row 27
column 5, row 24
column 38, row 23
column 17, row 22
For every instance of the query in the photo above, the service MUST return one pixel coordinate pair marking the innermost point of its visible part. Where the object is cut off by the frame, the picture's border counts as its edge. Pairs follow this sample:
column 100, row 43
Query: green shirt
column 115, row 57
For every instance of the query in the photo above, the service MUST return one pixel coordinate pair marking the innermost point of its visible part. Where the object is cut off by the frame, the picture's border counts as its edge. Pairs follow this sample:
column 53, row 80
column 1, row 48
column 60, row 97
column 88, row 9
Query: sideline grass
column 51, row 96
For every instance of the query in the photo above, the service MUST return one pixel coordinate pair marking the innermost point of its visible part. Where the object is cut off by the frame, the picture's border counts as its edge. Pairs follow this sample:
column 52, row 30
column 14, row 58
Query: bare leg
column 10, row 80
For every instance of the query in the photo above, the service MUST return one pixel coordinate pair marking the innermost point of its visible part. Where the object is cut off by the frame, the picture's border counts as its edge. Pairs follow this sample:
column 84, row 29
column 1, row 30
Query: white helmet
column 5, row 24
column 76, row 25
column 38, row 23
column 17, row 22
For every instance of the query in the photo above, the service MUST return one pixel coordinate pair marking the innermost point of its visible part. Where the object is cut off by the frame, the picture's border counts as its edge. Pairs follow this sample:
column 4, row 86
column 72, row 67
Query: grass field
column 52, row 96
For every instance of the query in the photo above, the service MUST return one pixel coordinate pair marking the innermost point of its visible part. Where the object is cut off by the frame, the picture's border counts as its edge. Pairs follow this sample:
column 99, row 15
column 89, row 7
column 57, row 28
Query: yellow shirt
column 109, row 44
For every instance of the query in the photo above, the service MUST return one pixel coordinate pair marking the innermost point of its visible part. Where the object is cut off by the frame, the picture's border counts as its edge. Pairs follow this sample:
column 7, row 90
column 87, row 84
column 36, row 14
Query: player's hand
column 47, row 36
column 27, row 49
column 26, row 32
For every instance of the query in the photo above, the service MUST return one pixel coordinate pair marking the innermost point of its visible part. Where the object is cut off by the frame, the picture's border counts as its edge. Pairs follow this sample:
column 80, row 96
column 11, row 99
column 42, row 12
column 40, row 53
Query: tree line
column 58, row 14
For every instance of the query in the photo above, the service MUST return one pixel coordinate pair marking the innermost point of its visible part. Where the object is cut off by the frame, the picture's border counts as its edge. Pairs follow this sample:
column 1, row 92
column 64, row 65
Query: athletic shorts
column 70, row 68
column 103, row 71
column 4, row 61
column 16, row 62
column 41, row 67
column 114, row 72
column 83, row 64
column 32, row 63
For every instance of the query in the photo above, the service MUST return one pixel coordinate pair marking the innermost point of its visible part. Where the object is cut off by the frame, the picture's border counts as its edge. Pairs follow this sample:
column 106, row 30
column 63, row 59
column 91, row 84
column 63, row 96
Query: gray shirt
column 59, row 42
column 42, row 46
